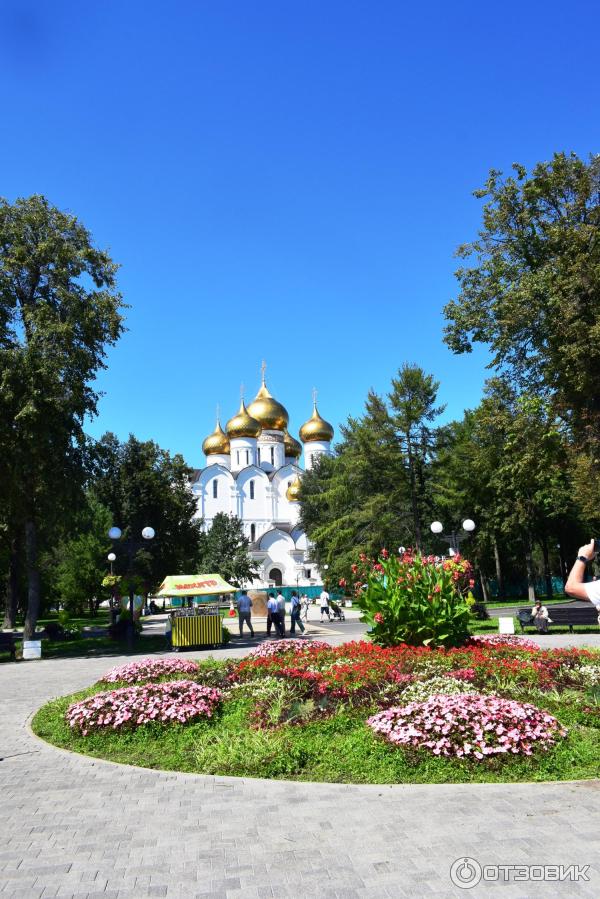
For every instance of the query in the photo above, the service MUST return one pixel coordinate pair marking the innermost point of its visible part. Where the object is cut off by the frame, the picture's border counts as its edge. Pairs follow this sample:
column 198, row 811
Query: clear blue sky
column 286, row 181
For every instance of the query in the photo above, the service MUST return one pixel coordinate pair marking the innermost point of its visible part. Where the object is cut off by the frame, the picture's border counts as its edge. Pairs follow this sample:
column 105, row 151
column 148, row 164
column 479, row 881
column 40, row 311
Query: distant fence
column 519, row 588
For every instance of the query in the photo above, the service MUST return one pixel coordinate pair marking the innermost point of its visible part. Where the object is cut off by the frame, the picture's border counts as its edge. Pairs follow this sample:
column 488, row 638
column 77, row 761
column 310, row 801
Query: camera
column 596, row 546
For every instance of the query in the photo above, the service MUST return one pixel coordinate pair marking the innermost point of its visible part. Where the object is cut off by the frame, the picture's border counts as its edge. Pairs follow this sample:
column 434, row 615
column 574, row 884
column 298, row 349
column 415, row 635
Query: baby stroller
column 337, row 613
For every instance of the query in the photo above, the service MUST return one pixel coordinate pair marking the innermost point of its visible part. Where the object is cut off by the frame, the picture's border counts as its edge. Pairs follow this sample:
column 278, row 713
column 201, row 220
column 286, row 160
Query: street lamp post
column 455, row 537
column 130, row 545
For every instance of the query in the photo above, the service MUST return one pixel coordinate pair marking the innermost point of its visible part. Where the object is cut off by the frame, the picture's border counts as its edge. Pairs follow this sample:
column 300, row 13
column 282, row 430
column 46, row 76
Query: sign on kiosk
column 194, row 585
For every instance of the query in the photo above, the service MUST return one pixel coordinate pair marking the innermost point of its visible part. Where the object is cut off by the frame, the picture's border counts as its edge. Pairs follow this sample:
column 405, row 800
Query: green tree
column 143, row 485
column 80, row 560
column 413, row 410
column 358, row 501
column 531, row 287
column 224, row 551
column 59, row 311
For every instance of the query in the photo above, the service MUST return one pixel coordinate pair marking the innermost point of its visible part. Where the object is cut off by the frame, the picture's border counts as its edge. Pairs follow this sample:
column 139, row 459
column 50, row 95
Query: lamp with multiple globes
column 131, row 545
column 454, row 538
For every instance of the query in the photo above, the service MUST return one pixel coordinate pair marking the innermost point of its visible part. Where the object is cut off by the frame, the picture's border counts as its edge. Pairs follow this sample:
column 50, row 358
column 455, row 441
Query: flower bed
column 285, row 647
column 470, row 724
column 149, row 670
column 300, row 709
column 504, row 640
column 129, row 707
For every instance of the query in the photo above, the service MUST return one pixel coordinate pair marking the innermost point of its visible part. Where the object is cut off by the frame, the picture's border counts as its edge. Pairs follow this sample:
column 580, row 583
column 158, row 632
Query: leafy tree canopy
column 224, row 551
column 59, row 311
column 531, row 287
column 143, row 485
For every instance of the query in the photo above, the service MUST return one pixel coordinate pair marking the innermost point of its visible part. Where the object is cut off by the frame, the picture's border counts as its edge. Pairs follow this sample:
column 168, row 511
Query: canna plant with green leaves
column 415, row 599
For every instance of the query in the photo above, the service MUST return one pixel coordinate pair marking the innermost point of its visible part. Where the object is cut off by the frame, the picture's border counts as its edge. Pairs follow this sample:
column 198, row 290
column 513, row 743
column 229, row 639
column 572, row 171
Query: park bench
column 7, row 644
column 564, row 615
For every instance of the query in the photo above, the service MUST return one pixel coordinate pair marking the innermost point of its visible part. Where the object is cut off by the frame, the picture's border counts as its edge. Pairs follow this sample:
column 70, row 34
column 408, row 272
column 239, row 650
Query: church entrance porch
column 276, row 576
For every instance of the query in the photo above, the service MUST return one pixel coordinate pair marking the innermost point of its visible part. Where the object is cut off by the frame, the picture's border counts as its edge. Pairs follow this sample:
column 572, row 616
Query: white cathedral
column 252, row 471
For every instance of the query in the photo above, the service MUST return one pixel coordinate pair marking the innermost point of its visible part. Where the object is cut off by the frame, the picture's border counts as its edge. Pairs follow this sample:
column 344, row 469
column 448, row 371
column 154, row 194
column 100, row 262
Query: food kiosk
column 198, row 624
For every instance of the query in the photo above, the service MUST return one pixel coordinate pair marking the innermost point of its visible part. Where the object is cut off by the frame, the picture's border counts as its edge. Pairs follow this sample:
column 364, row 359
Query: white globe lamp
column 148, row 533
column 468, row 524
column 437, row 527
column 111, row 557
column 114, row 533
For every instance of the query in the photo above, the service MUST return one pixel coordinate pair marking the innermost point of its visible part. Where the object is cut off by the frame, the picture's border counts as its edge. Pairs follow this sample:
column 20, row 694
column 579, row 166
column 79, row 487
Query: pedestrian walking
column 304, row 604
column 295, row 618
column 272, row 617
column 281, row 612
column 244, row 614
column 324, row 598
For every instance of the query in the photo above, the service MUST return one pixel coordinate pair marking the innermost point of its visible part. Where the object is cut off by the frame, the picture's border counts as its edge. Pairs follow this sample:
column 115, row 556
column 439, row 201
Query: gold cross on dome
column 314, row 393
column 263, row 370
column 218, row 414
column 242, row 388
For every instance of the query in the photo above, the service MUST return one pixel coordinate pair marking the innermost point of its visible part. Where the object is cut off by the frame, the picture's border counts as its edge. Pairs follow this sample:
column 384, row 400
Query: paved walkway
column 73, row 826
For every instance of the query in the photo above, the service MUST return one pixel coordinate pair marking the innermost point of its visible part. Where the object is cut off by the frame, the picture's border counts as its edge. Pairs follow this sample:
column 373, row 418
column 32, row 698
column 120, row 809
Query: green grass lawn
column 80, row 647
column 491, row 627
column 525, row 601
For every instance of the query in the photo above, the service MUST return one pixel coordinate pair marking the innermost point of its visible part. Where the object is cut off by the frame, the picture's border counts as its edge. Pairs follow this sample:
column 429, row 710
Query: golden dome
column 293, row 449
column 217, row 442
column 316, row 428
column 293, row 491
column 271, row 414
column 242, row 424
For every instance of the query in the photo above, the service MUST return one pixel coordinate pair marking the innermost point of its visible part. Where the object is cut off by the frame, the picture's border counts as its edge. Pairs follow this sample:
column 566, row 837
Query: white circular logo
column 465, row 873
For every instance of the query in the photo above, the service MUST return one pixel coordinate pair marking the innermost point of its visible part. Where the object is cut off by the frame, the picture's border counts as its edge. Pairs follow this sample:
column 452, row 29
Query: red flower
column 342, row 582
column 384, row 553
column 471, row 583
column 378, row 618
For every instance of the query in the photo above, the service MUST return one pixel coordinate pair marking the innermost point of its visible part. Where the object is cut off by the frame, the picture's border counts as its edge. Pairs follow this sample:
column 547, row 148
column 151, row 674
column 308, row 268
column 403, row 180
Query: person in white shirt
column 540, row 616
column 576, row 586
column 324, row 599
column 244, row 605
column 272, row 617
column 281, row 612
column 304, row 602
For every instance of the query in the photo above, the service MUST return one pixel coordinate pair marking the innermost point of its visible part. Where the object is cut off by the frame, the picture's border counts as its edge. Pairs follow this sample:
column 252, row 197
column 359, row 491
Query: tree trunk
column 499, row 576
column 547, row 572
column 33, row 580
column 563, row 566
column 485, row 587
column 530, row 574
column 413, row 494
column 12, row 586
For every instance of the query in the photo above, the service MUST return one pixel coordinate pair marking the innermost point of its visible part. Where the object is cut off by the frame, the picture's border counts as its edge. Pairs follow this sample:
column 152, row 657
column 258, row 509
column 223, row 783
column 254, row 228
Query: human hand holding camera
column 589, row 550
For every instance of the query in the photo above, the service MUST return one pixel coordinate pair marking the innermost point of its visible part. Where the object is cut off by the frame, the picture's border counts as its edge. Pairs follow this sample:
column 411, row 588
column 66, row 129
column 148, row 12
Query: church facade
column 253, row 472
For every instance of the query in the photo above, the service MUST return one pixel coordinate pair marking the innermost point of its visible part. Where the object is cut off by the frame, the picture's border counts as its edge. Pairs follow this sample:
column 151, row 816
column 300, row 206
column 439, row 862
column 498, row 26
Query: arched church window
column 272, row 455
column 215, row 488
column 251, row 489
column 238, row 457
column 247, row 457
column 252, row 533
column 258, row 455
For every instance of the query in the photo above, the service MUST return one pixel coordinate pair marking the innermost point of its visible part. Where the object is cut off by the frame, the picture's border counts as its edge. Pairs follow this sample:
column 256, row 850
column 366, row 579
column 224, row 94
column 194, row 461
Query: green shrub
column 415, row 599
